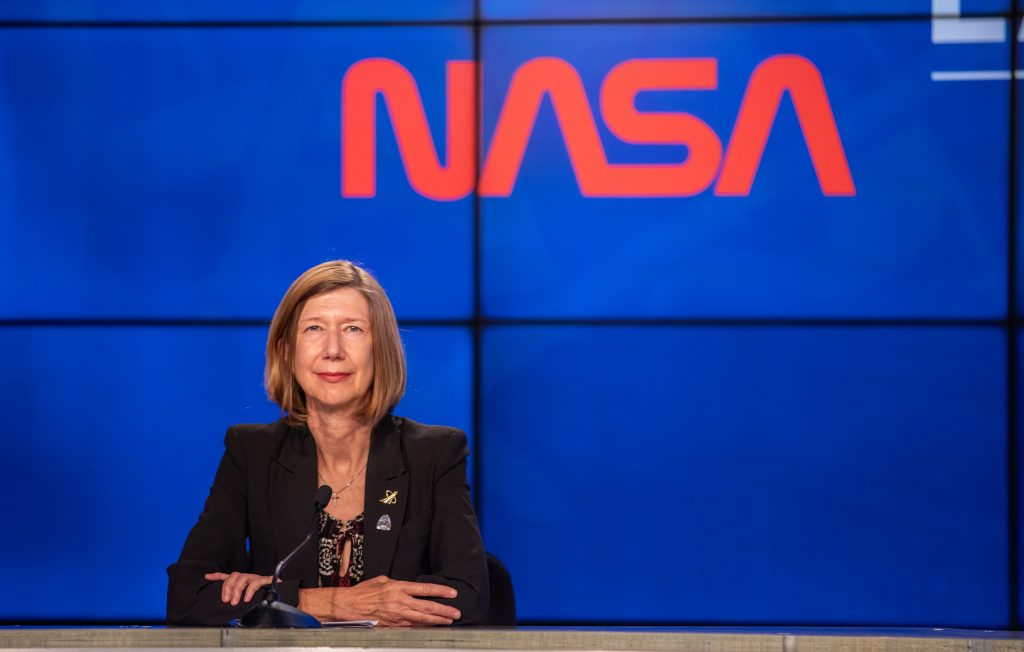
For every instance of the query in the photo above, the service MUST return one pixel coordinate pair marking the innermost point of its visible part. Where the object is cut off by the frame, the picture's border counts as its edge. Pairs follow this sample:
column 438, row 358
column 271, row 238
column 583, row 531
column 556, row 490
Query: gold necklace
column 337, row 494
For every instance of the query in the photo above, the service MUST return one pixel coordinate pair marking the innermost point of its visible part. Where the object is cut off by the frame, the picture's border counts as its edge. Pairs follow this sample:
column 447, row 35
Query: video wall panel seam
column 490, row 22
column 226, row 24
column 1012, row 323
column 745, row 20
column 526, row 321
column 477, row 325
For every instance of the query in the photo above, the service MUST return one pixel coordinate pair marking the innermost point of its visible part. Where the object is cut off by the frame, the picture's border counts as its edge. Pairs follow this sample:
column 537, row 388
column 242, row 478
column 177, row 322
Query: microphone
column 271, row 612
column 323, row 496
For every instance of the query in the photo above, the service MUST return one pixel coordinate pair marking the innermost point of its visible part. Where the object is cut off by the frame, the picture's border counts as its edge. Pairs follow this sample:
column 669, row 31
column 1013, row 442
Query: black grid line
column 484, row 321
column 1012, row 472
column 477, row 21
column 477, row 324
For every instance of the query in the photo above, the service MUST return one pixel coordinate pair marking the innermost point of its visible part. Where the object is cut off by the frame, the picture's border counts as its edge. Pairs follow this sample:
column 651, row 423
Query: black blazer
column 263, row 493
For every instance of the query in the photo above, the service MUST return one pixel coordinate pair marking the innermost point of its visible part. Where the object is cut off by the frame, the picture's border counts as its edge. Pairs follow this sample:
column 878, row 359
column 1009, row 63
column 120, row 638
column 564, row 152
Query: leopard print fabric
column 333, row 535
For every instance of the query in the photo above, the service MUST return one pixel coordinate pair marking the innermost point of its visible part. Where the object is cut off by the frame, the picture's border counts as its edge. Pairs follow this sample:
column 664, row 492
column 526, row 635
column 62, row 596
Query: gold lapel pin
column 390, row 497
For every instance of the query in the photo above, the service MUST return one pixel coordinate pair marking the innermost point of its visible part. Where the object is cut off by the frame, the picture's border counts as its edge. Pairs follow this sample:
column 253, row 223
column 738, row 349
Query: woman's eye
column 354, row 329
column 312, row 328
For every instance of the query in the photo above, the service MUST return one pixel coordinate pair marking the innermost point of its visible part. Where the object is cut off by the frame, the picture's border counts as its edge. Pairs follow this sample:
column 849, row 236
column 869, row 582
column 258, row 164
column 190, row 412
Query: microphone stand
column 271, row 612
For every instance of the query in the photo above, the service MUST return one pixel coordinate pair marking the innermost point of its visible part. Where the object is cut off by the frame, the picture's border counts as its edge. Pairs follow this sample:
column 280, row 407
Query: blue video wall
column 726, row 294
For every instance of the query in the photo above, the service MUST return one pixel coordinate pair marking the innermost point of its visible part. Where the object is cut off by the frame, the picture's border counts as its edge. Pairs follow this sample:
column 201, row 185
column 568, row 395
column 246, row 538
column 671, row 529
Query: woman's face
column 333, row 360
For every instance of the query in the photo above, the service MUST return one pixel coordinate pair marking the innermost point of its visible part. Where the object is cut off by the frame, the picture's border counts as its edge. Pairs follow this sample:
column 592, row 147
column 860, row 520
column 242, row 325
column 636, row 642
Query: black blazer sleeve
column 457, row 556
column 216, row 544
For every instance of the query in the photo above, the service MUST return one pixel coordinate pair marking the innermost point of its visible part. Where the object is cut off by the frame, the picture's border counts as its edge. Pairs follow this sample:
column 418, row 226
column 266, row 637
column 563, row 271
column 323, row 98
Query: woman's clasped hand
column 239, row 587
column 390, row 602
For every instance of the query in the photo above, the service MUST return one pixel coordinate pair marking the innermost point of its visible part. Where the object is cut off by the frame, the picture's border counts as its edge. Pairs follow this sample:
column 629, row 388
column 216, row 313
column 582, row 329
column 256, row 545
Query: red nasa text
column 731, row 170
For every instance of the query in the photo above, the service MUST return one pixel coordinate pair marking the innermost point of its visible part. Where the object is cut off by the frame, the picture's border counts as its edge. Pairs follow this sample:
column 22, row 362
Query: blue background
column 765, row 470
column 784, row 408
column 228, row 11
column 625, row 9
column 924, row 236
column 166, row 165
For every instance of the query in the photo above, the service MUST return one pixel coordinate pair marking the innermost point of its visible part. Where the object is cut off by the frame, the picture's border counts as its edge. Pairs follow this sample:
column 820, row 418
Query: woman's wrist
column 323, row 604
column 310, row 601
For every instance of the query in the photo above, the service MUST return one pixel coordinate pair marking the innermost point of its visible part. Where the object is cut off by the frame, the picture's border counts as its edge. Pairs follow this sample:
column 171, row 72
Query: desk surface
column 622, row 639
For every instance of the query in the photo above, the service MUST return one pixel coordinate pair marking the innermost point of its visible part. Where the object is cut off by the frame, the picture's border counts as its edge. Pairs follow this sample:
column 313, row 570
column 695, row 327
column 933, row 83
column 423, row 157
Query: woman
column 398, row 541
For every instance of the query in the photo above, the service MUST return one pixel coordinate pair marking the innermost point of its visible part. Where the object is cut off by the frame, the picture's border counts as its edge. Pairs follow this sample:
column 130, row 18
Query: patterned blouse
column 333, row 535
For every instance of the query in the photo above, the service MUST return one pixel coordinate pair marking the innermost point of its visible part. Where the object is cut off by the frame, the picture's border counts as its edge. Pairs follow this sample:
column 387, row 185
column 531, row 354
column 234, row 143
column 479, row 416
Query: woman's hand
column 390, row 602
column 239, row 586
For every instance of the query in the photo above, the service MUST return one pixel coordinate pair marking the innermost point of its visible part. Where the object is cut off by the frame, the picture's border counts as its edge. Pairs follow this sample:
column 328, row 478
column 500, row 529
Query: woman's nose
column 334, row 348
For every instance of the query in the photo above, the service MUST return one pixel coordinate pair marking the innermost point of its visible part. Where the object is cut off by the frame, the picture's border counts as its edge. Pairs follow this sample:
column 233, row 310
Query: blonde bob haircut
column 388, row 357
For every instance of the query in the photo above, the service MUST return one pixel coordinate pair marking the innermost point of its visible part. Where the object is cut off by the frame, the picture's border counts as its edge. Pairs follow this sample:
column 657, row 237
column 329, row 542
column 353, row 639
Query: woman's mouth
column 333, row 376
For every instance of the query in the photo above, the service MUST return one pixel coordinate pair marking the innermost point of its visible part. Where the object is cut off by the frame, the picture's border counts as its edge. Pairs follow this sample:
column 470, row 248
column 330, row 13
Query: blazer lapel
column 386, row 495
column 292, row 490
